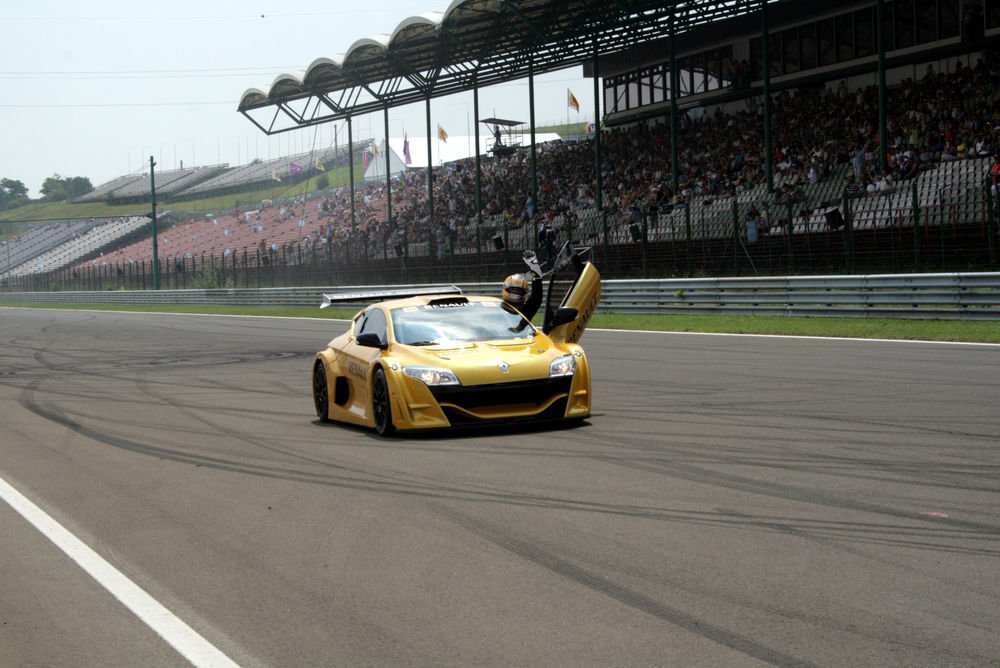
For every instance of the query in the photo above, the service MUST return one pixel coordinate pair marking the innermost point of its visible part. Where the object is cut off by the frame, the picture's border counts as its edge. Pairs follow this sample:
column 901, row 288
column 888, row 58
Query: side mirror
column 370, row 340
column 563, row 316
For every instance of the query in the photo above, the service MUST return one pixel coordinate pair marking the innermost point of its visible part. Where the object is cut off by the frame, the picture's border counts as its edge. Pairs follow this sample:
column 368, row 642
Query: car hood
column 479, row 363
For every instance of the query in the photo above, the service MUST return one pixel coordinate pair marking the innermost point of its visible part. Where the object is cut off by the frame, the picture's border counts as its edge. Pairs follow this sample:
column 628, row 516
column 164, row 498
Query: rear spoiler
column 379, row 295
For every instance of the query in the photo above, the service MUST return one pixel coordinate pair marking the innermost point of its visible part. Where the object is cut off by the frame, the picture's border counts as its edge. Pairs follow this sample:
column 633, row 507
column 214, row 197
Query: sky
column 94, row 89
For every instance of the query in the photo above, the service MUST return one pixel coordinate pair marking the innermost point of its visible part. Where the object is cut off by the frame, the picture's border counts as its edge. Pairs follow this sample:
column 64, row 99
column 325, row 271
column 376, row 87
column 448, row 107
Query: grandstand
column 137, row 188
column 292, row 167
column 22, row 248
column 683, row 215
column 101, row 192
column 211, row 180
column 94, row 237
column 219, row 236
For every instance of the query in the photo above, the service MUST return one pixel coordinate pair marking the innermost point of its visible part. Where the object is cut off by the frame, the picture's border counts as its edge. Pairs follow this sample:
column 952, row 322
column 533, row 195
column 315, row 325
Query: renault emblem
column 504, row 367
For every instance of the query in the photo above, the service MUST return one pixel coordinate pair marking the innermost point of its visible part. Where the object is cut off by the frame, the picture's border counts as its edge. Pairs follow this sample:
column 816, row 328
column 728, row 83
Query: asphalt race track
column 734, row 501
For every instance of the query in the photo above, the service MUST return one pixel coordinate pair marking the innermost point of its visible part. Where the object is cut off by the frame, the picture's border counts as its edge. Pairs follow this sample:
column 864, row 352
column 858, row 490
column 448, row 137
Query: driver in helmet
column 524, row 291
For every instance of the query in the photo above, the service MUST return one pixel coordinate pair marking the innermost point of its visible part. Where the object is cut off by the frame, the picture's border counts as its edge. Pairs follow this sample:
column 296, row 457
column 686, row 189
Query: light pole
column 156, row 253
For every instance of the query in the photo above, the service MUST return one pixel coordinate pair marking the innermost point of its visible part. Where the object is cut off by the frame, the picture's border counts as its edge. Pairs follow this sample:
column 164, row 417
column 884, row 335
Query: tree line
column 13, row 193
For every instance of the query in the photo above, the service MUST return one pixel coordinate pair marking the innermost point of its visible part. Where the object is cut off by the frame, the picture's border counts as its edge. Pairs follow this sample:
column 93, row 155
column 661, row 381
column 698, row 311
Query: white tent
column 376, row 164
column 442, row 152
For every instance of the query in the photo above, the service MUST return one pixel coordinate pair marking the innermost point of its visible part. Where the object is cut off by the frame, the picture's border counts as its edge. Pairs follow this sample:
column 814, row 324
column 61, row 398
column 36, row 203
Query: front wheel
column 381, row 410
column 321, row 395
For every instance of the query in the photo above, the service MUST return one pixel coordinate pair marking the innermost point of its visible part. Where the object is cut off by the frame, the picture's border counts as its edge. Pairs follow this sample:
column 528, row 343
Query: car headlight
column 562, row 366
column 430, row 375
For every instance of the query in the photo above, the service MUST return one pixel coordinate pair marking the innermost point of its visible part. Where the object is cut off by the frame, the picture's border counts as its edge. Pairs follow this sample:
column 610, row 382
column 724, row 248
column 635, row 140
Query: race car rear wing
column 379, row 295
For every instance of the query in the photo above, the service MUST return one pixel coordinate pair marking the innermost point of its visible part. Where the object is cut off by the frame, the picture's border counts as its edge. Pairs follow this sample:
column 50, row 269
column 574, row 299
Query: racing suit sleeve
column 534, row 299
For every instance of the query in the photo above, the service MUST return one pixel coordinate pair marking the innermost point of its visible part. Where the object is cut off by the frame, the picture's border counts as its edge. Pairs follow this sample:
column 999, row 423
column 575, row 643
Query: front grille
column 500, row 394
column 557, row 411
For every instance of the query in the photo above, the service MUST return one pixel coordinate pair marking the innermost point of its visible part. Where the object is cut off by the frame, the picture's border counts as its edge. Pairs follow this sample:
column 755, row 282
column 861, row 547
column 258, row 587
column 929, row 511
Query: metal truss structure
column 472, row 44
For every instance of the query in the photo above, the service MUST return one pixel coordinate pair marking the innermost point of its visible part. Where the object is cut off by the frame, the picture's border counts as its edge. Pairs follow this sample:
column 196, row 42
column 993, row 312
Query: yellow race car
column 444, row 360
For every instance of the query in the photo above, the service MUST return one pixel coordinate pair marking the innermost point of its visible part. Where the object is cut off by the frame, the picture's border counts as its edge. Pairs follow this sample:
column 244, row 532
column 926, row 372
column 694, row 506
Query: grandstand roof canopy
column 472, row 43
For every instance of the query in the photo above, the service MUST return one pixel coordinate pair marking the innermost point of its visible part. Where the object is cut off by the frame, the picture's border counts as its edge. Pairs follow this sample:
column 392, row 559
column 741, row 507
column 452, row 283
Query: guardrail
column 967, row 296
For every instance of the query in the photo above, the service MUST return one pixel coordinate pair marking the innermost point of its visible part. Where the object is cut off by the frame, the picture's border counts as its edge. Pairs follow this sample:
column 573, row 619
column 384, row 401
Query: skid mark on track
column 349, row 478
column 624, row 595
column 928, row 535
column 54, row 414
column 832, row 537
column 332, row 474
column 786, row 492
column 786, row 455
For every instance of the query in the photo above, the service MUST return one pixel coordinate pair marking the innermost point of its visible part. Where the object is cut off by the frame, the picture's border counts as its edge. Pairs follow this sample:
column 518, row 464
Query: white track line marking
column 168, row 626
column 802, row 337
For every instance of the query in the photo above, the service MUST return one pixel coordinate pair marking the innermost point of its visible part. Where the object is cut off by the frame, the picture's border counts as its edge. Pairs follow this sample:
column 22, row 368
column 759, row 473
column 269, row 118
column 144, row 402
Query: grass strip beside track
column 868, row 328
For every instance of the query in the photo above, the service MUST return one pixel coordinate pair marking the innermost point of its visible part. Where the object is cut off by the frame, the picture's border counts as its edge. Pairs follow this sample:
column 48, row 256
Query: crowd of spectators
column 939, row 116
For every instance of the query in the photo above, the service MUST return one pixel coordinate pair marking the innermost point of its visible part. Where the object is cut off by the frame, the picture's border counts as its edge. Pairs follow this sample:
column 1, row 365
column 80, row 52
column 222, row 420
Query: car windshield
column 443, row 323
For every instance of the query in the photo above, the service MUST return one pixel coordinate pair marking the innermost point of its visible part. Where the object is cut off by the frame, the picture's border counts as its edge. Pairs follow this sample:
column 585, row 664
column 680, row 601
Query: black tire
column 321, row 393
column 381, row 410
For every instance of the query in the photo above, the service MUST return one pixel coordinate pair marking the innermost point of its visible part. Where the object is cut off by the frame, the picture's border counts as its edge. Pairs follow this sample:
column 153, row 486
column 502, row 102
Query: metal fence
column 930, row 225
column 971, row 296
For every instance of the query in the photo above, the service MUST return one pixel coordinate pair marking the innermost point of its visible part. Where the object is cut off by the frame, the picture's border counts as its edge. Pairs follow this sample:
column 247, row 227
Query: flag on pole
column 366, row 158
column 294, row 169
column 274, row 175
column 319, row 165
column 571, row 100
column 442, row 135
column 406, row 150
column 376, row 149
